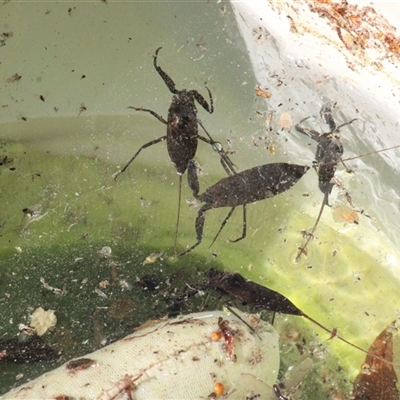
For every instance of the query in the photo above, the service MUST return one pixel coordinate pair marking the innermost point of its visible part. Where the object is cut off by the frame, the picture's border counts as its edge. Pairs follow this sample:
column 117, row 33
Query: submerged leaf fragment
column 345, row 214
column 33, row 350
column 263, row 93
column 152, row 258
column 285, row 121
column 377, row 378
column 121, row 309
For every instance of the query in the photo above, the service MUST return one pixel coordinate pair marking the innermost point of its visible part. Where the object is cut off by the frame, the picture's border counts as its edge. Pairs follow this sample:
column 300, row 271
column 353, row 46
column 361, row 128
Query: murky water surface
column 61, row 207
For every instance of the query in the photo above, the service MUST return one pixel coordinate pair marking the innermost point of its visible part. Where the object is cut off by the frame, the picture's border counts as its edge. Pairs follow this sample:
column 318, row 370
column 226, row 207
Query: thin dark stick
column 179, row 213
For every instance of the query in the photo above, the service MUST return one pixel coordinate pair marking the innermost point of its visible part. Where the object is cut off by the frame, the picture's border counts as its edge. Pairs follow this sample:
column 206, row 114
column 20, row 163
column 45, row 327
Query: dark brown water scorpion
column 242, row 188
column 328, row 154
column 182, row 130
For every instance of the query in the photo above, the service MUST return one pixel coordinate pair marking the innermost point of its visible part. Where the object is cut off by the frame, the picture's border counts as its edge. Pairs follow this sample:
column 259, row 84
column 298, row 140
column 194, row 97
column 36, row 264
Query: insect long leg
column 162, row 138
column 366, row 154
column 229, row 167
column 153, row 113
column 226, row 162
column 199, row 227
column 311, row 234
column 161, row 119
column 348, row 170
column 244, row 226
column 223, row 224
column 337, row 130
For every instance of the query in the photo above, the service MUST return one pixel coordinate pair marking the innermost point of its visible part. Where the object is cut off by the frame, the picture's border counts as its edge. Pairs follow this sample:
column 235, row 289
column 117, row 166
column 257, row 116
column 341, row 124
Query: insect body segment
column 254, row 184
column 245, row 187
column 182, row 129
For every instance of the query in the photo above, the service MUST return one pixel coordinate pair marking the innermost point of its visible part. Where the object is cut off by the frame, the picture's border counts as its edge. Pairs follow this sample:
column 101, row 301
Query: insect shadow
column 239, row 189
column 327, row 157
column 182, row 130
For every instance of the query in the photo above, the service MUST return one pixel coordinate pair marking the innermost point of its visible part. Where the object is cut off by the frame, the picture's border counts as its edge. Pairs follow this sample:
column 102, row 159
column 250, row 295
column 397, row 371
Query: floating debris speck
column 264, row 93
column 105, row 252
column 152, row 258
column 43, row 320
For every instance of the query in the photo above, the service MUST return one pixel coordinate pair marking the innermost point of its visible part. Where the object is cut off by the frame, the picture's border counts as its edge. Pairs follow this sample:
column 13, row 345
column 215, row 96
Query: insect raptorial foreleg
column 344, row 124
column 202, row 101
column 278, row 393
column 306, row 131
column 168, row 81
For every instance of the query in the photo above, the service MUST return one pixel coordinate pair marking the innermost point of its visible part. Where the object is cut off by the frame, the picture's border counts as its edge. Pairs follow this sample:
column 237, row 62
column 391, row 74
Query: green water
column 62, row 168
column 77, row 209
